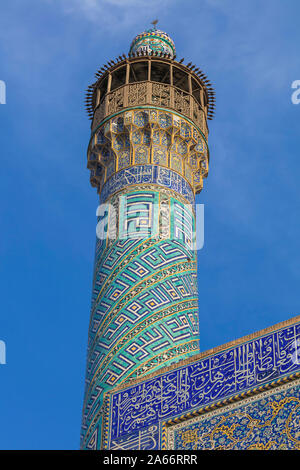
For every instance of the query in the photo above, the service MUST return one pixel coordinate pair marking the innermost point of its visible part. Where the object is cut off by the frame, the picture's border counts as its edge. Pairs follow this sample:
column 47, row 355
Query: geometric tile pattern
column 144, row 311
column 182, row 223
column 138, row 215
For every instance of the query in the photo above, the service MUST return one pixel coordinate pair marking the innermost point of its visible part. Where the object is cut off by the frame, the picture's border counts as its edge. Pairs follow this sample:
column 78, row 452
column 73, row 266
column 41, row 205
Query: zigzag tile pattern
column 144, row 309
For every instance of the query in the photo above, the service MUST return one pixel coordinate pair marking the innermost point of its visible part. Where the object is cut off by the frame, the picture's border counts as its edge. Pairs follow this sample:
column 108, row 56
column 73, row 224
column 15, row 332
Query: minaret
column 148, row 155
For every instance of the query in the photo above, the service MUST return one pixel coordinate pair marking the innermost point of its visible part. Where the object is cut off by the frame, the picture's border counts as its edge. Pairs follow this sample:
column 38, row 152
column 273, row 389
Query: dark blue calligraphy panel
column 211, row 379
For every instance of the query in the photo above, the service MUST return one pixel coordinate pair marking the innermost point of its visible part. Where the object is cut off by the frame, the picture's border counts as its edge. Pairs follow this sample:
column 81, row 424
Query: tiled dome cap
column 151, row 41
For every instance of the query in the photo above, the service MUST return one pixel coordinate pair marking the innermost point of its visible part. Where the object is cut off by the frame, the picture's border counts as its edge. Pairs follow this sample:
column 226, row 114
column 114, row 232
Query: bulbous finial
column 153, row 41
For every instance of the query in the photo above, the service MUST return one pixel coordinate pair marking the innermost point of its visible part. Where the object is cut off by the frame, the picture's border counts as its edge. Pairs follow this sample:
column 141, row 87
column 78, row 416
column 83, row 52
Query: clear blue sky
column 249, row 268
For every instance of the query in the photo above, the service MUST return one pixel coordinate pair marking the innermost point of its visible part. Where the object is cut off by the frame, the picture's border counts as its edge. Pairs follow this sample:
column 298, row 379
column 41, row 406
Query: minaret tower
column 148, row 155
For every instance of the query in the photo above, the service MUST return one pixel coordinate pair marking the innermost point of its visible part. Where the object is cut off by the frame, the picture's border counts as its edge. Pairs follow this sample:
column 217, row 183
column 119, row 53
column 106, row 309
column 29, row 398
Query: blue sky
column 249, row 268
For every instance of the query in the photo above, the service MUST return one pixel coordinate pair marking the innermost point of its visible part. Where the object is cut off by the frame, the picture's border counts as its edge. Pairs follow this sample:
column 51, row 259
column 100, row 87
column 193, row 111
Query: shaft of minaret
column 148, row 155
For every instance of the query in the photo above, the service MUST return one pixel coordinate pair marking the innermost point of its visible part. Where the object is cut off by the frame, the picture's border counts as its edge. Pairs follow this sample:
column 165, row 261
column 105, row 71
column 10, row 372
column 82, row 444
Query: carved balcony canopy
column 150, row 80
column 149, row 113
